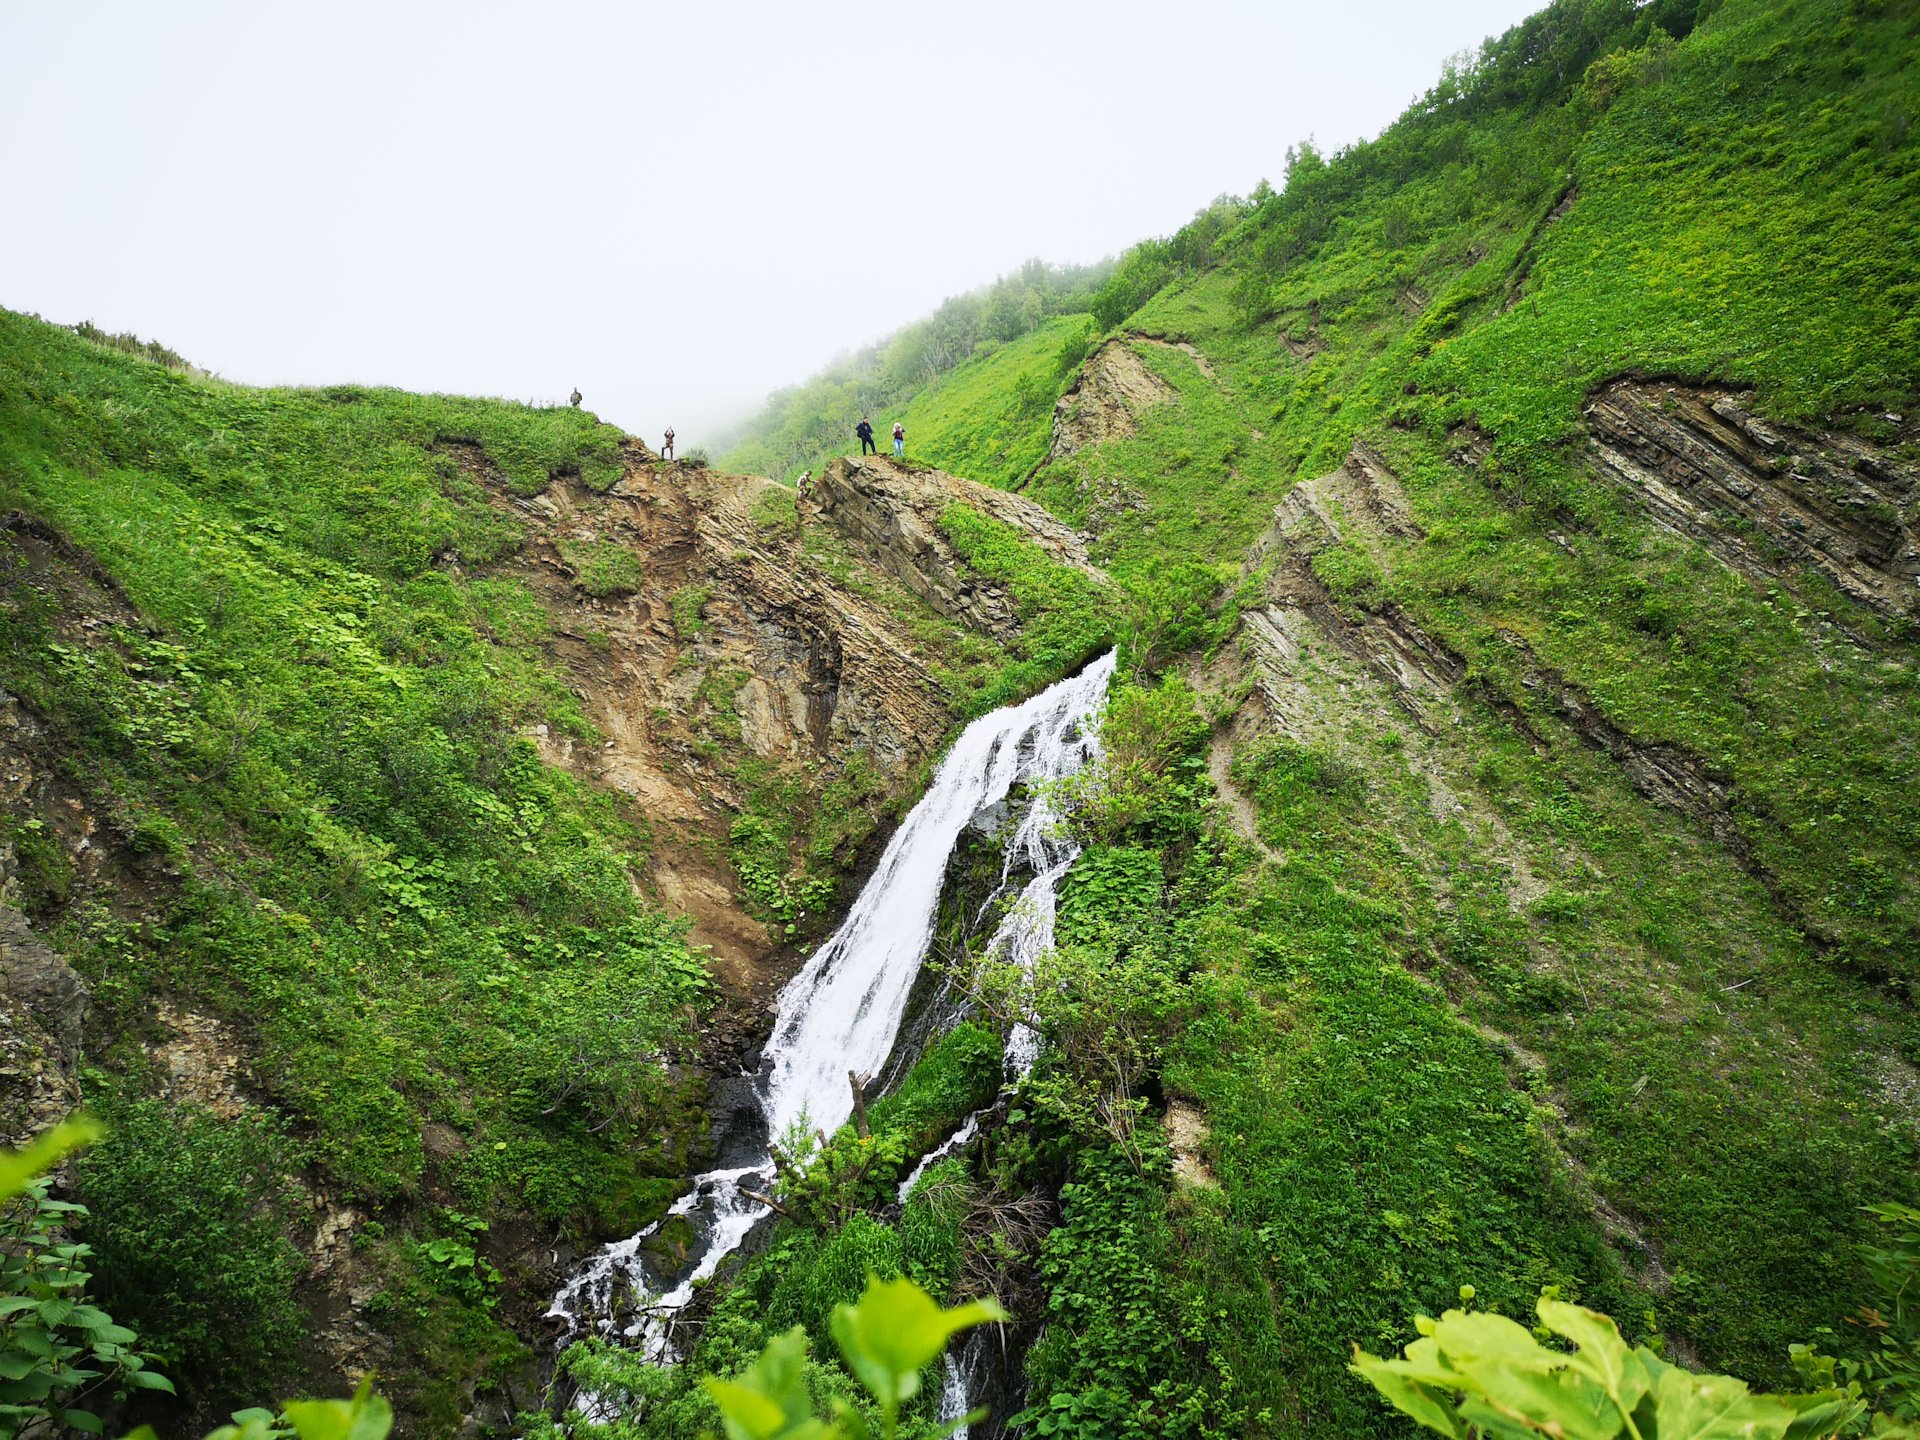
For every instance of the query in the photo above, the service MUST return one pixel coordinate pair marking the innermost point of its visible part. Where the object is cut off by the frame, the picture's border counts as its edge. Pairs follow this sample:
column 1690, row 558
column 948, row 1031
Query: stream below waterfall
column 842, row 1012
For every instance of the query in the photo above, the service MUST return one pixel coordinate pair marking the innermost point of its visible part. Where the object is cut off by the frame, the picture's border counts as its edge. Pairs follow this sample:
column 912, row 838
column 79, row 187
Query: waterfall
column 965, row 1360
column 1041, row 849
column 843, row 1010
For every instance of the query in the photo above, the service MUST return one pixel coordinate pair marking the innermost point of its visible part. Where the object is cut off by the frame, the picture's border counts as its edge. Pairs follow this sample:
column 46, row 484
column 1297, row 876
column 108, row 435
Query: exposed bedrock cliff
column 1361, row 505
column 1762, row 498
column 744, row 643
column 1302, row 645
column 889, row 515
column 1105, row 400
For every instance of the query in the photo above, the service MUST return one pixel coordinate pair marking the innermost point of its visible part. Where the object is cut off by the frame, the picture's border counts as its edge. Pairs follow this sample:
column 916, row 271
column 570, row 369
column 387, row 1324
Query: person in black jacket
column 865, row 431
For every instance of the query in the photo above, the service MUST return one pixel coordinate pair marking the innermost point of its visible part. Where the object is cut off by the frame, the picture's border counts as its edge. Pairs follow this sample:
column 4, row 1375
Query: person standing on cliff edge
column 899, row 440
column 865, row 431
column 666, row 450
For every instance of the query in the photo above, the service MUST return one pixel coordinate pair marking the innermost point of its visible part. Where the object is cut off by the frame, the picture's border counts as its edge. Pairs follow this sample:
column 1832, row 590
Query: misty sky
column 676, row 208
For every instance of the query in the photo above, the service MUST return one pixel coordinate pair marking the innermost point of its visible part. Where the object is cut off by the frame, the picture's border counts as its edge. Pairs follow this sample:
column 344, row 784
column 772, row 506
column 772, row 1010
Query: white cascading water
column 843, row 1010
column 1042, row 849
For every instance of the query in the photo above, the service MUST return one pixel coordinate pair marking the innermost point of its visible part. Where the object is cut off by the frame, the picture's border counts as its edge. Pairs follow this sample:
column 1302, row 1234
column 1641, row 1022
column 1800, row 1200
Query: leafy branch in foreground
column 365, row 1417
column 1894, row 1268
column 1481, row 1375
column 56, row 1350
column 893, row 1333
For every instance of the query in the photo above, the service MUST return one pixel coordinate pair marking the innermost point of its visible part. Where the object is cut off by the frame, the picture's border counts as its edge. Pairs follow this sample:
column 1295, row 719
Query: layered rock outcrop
column 1762, row 498
column 1300, row 628
column 1105, row 400
column 889, row 515
column 758, row 640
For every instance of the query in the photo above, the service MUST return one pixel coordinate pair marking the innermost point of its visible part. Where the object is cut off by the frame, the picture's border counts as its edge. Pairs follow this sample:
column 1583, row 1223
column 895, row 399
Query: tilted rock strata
column 1761, row 498
column 746, row 635
column 890, row 516
column 1358, row 505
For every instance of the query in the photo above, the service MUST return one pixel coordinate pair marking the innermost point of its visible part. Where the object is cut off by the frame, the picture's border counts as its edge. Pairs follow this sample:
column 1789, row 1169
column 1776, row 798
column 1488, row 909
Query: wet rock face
column 1764, row 499
column 890, row 515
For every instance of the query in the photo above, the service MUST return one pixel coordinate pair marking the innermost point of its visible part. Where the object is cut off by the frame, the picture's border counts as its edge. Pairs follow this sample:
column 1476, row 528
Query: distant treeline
column 805, row 419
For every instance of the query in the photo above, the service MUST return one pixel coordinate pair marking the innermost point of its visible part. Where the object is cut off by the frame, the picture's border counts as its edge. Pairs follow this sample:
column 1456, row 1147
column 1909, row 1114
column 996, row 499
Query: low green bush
column 193, row 1214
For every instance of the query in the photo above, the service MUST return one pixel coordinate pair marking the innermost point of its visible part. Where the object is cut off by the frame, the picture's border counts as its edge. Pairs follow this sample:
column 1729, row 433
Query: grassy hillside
column 802, row 427
column 299, row 739
column 1462, row 997
column 1501, row 872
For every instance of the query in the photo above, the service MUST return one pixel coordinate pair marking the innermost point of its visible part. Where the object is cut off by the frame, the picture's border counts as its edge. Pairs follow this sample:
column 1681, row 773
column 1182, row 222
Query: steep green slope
column 802, row 426
column 327, row 845
column 1568, row 932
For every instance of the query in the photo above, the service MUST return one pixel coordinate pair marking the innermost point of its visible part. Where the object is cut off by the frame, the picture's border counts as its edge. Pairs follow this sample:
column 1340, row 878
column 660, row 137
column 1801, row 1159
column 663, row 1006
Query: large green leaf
column 1715, row 1407
column 1824, row 1413
column 896, row 1330
column 1509, row 1376
column 1408, row 1395
column 35, row 1342
column 769, row 1400
column 745, row 1412
column 1603, row 1354
column 365, row 1417
column 19, row 1168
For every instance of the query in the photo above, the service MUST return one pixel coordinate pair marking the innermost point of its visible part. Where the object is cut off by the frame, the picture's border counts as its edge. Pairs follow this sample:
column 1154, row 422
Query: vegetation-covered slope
column 357, row 895
column 803, row 426
column 1501, row 872
column 362, row 755
column 1557, row 921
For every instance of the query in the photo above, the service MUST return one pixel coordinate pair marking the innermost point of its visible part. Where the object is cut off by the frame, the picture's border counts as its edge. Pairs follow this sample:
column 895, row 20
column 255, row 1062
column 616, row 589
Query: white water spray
column 843, row 1010
column 1042, row 849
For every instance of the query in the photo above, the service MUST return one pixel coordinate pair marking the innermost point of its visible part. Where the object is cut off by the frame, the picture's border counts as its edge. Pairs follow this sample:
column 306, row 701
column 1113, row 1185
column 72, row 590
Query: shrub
column 774, row 508
column 191, row 1214
column 57, row 1351
column 1150, row 762
column 602, row 567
